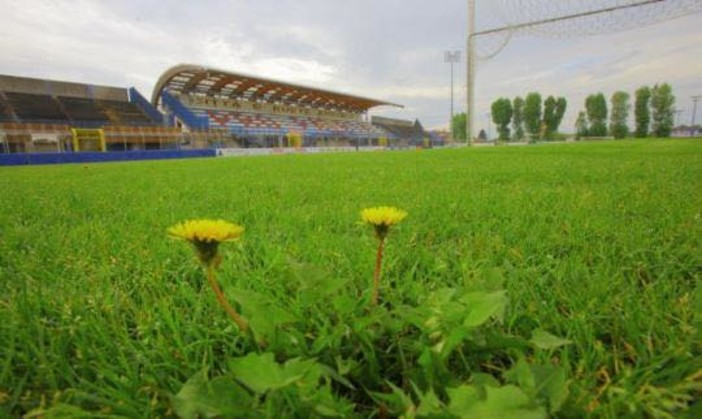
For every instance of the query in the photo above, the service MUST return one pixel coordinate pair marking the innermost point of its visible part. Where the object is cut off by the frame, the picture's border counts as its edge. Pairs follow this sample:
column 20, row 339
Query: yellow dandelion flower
column 381, row 218
column 206, row 235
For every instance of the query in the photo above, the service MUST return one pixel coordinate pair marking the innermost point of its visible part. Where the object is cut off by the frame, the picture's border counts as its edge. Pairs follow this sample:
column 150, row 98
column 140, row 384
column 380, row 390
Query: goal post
column 546, row 18
column 88, row 139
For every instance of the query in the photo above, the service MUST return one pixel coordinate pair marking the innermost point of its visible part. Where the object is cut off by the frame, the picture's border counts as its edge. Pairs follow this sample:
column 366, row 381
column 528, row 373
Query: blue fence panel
column 14, row 159
column 94, row 157
column 137, row 98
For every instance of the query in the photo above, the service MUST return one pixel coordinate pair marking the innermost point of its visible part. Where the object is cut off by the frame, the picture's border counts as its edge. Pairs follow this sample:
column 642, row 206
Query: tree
column 482, row 136
column 549, row 116
column 554, row 109
column 620, row 112
column 662, row 110
column 532, row 114
column 596, row 108
column 581, row 125
column 642, row 113
column 502, row 116
column 458, row 126
column 518, row 118
column 561, row 106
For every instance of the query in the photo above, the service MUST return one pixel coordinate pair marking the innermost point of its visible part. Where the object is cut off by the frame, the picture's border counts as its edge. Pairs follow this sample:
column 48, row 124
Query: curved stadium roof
column 193, row 79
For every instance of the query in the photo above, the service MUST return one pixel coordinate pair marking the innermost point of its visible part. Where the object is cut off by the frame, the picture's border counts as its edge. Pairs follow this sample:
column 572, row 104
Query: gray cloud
column 389, row 49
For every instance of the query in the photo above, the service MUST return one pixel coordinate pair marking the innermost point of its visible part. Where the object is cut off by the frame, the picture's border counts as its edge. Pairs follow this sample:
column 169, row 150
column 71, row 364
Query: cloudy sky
column 386, row 49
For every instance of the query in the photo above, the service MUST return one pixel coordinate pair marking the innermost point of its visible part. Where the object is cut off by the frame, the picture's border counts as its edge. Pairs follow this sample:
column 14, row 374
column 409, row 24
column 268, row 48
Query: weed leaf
column 220, row 397
column 261, row 373
column 482, row 306
column 544, row 340
column 500, row 402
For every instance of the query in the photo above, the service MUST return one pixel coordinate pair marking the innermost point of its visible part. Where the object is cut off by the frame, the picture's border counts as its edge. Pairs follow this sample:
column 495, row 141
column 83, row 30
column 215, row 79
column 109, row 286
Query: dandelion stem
column 240, row 321
column 376, row 275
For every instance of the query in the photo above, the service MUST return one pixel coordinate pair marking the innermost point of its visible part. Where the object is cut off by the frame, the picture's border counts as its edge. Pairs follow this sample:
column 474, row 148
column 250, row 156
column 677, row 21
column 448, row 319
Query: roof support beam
column 187, row 79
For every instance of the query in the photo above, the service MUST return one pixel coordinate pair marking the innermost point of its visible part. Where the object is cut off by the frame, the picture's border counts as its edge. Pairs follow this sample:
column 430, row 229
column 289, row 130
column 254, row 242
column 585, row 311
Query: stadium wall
column 236, row 152
column 22, row 159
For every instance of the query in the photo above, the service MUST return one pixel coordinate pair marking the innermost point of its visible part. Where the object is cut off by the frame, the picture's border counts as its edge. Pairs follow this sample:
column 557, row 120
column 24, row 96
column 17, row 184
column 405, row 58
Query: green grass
column 601, row 244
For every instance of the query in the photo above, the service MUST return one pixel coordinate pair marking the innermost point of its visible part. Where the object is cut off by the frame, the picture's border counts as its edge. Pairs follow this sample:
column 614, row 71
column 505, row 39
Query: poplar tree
column 561, row 106
column 662, row 110
column 502, row 116
column 554, row 109
column 581, row 125
column 549, row 116
column 618, row 127
column 642, row 114
column 532, row 114
column 518, row 118
column 458, row 126
column 596, row 108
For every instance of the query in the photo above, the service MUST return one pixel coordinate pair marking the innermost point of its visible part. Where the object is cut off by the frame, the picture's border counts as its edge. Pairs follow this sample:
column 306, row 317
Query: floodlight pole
column 695, row 99
column 489, row 125
column 452, row 57
column 470, row 73
column 678, row 112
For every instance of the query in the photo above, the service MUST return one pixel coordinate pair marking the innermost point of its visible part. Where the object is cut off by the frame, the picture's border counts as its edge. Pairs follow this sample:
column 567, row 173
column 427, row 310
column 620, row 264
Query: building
column 683, row 131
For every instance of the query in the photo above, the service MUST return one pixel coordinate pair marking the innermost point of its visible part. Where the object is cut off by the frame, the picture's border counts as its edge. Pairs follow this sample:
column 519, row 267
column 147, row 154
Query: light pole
column 694, row 114
column 678, row 112
column 489, row 125
column 470, row 73
column 452, row 57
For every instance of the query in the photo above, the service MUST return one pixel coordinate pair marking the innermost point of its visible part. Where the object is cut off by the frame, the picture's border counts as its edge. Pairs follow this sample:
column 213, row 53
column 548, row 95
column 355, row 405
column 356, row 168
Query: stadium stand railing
column 34, row 137
column 139, row 100
column 183, row 113
column 208, row 138
column 124, row 137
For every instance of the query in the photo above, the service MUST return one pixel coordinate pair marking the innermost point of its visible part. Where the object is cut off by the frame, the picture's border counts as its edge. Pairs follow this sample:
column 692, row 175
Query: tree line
column 654, row 114
column 527, row 117
column 517, row 118
column 520, row 118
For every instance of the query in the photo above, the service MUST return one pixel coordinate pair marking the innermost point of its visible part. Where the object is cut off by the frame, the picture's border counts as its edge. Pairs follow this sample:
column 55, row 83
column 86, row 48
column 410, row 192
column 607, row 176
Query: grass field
column 600, row 244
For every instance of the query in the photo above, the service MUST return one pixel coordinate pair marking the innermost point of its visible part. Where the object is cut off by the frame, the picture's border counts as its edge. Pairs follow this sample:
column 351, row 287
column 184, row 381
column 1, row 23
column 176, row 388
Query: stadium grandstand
column 260, row 112
column 193, row 109
column 55, row 116
column 408, row 132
